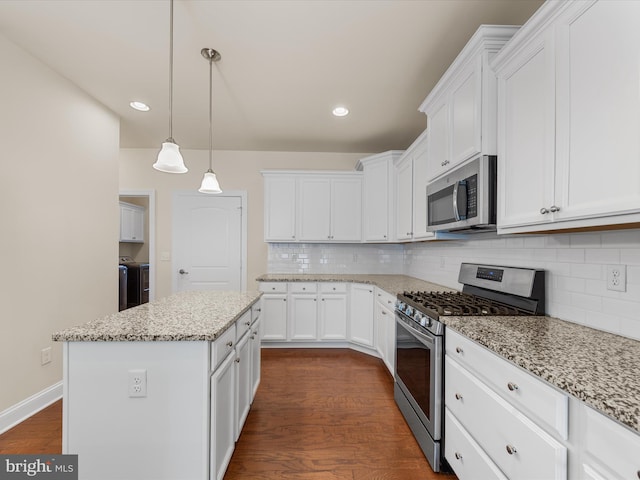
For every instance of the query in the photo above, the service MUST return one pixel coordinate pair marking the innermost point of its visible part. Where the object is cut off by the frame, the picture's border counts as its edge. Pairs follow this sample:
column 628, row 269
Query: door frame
column 151, row 196
column 242, row 195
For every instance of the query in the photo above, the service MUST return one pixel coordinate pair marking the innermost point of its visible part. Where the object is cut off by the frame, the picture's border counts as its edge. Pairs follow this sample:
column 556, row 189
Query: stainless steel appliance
column 137, row 282
column 122, row 287
column 419, row 375
column 464, row 200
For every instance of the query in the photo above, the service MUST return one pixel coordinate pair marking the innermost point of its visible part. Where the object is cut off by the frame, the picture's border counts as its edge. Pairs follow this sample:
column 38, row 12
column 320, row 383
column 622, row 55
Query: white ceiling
column 285, row 64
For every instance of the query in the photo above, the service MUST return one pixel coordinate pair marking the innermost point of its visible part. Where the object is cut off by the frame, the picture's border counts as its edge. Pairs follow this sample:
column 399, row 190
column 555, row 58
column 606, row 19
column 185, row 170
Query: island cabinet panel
column 104, row 425
column 243, row 382
column 256, row 364
column 223, row 415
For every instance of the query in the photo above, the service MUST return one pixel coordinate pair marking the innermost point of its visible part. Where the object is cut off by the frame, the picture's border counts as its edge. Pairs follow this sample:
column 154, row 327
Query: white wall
column 236, row 170
column 59, row 211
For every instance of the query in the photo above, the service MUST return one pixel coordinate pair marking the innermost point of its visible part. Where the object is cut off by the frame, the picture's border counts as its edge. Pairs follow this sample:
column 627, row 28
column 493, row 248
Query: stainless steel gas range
column 419, row 375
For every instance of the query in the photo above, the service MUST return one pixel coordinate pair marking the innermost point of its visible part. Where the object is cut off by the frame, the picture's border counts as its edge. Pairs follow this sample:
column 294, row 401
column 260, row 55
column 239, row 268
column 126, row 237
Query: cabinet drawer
column 464, row 455
column 222, row 346
column 546, row 404
column 243, row 325
column 385, row 299
column 273, row 287
column 610, row 446
column 303, row 287
column 520, row 448
column 333, row 287
column 256, row 308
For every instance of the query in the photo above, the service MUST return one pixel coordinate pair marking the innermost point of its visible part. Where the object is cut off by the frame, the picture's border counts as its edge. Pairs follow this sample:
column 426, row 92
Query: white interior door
column 208, row 242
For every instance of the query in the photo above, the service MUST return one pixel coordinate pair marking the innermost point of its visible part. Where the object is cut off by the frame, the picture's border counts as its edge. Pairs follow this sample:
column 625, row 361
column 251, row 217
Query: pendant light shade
column 210, row 181
column 169, row 159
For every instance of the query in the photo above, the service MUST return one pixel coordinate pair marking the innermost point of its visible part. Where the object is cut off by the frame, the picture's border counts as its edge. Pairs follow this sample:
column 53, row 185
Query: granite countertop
column 599, row 368
column 185, row 316
column 393, row 284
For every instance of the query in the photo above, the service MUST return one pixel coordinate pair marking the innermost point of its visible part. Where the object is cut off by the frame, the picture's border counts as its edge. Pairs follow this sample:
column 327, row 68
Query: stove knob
column 418, row 317
column 408, row 311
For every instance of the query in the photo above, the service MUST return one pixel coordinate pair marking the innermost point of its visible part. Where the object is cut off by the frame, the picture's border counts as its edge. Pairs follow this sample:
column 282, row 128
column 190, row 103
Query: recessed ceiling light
column 340, row 111
column 143, row 107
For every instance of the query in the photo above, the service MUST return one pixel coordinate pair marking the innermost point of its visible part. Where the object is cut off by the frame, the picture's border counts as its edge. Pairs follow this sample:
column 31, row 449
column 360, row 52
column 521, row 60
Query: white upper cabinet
column 378, row 196
column 312, row 206
column 461, row 108
column 279, row 208
column 131, row 223
column 411, row 192
column 569, row 117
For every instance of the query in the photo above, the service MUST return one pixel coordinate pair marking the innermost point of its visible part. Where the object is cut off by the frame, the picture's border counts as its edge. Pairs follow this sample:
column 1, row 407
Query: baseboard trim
column 19, row 412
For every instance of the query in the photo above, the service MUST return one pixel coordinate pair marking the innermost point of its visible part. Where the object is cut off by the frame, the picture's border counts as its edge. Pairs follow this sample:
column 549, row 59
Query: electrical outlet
column 45, row 356
column 138, row 383
column 617, row 278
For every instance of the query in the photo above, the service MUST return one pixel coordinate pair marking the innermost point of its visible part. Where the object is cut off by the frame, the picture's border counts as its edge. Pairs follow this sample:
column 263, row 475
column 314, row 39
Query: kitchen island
column 148, row 391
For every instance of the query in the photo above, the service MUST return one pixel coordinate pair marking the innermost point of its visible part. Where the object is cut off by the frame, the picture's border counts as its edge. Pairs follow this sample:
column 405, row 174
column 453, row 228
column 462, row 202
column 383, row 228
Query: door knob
column 182, row 271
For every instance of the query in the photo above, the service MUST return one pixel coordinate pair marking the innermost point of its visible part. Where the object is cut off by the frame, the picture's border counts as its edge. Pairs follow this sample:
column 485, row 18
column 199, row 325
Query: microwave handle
column 460, row 196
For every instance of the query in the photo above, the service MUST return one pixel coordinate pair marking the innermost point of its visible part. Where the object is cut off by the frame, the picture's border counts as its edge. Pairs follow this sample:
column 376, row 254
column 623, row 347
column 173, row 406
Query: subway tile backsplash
column 575, row 264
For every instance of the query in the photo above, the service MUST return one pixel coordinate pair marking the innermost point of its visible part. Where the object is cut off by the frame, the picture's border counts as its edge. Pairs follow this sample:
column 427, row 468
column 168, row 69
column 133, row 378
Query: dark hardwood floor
column 318, row 414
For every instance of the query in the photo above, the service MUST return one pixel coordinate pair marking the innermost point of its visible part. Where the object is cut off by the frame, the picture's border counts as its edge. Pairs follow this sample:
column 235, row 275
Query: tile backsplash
column 575, row 265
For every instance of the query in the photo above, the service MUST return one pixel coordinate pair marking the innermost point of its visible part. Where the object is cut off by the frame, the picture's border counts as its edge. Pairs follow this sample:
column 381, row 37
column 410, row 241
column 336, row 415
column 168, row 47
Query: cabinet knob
column 247, row 323
column 511, row 449
column 253, row 337
column 544, row 211
column 458, row 396
column 458, row 456
column 512, row 386
column 384, row 313
column 229, row 344
column 182, row 271
column 238, row 360
column 459, row 350
column 293, row 236
column 554, row 209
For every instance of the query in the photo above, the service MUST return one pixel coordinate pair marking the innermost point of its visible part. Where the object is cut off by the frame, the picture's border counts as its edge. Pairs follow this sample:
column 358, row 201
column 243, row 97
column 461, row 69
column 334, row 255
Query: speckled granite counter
column 186, row 316
column 599, row 368
column 393, row 284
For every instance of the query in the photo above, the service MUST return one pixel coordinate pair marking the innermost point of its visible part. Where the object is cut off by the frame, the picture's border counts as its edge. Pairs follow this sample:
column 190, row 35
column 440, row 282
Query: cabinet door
column 376, row 201
column 243, row 382
column 419, row 224
column 438, row 140
column 526, row 137
column 279, row 208
column 404, row 199
column 466, row 114
column 314, row 218
column 131, row 223
column 361, row 324
column 223, row 423
column 346, row 209
column 381, row 330
column 303, row 317
column 274, row 315
column 333, row 317
column 390, row 322
column 598, row 110
column 256, row 363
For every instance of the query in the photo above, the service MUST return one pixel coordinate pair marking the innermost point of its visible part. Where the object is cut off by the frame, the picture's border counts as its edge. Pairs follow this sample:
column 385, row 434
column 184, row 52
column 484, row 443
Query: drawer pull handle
column 512, row 386
column 458, row 456
column 459, row 350
column 511, row 449
column 229, row 344
column 458, row 396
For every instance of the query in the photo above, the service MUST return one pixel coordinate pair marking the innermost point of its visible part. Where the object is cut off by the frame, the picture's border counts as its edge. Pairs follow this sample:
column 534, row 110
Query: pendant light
column 169, row 159
column 210, row 181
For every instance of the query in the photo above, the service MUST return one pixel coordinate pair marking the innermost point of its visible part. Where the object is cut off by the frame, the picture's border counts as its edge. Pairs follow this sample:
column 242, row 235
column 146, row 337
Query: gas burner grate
column 460, row 304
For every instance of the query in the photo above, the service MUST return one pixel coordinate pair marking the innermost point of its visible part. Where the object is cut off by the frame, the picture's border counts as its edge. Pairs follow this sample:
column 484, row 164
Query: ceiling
column 285, row 64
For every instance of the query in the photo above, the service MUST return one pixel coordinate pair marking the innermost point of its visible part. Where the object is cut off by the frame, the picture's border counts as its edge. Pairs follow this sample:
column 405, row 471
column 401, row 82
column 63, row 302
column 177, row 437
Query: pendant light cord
column 210, row 113
column 171, row 75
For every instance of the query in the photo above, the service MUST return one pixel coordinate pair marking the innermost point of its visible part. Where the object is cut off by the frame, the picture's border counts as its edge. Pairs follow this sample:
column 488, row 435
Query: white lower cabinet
column 256, row 361
column 464, row 454
column 385, row 327
column 223, row 423
column 361, row 325
column 274, row 311
column 303, row 316
column 610, row 451
column 243, row 382
column 332, row 312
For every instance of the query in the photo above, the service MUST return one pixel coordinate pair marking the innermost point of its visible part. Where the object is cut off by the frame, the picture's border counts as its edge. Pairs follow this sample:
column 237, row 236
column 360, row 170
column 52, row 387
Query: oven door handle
column 418, row 334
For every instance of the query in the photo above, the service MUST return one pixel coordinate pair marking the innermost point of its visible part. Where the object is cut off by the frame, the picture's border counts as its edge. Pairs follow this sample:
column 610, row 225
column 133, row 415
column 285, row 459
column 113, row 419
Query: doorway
column 145, row 253
column 209, row 245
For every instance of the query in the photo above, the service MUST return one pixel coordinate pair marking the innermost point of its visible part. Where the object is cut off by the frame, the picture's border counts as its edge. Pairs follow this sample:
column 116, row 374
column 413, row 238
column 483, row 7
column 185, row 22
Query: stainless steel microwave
column 464, row 200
